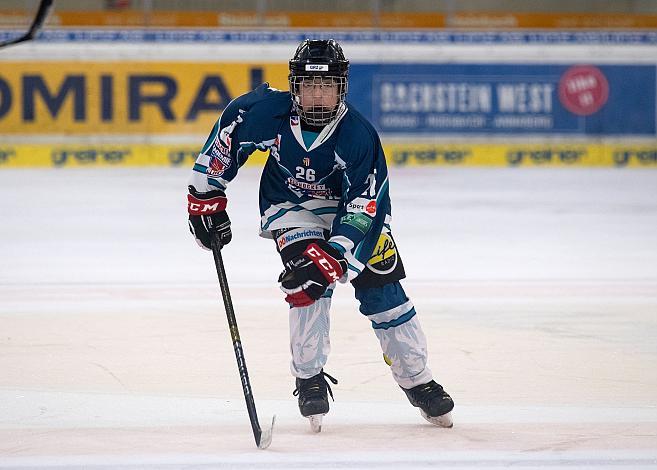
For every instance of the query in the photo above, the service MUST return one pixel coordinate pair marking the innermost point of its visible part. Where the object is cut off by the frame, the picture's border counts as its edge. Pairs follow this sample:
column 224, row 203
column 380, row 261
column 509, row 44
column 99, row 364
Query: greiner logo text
column 548, row 155
column 643, row 157
column 430, row 156
column 88, row 156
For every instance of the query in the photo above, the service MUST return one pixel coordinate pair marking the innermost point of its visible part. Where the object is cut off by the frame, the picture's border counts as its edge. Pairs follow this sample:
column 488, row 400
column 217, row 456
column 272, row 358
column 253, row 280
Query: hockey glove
column 207, row 214
column 307, row 276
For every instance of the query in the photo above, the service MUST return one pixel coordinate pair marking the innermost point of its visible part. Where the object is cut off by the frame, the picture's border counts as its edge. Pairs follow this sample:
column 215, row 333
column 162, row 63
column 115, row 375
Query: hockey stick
column 262, row 438
column 39, row 19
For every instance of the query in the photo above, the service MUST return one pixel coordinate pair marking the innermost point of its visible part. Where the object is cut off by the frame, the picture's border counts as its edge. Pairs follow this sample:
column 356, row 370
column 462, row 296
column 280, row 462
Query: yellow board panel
column 124, row 97
column 454, row 155
column 556, row 154
column 129, row 155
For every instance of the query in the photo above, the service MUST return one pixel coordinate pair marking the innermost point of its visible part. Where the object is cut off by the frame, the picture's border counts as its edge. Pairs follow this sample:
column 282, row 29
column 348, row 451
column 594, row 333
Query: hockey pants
column 393, row 319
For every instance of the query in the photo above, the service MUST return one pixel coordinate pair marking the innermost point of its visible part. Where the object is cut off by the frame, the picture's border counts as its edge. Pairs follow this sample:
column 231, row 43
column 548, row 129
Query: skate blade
column 315, row 422
column 444, row 421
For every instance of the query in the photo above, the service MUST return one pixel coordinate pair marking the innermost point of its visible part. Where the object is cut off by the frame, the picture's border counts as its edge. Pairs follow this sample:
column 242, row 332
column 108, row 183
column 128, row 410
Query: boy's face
column 318, row 92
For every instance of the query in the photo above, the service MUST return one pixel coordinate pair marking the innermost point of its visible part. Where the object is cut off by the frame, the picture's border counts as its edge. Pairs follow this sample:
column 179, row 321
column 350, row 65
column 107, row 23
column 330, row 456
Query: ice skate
column 313, row 398
column 434, row 403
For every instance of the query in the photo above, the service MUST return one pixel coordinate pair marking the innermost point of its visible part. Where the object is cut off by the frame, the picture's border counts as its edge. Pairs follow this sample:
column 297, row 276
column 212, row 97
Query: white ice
column 537, row 289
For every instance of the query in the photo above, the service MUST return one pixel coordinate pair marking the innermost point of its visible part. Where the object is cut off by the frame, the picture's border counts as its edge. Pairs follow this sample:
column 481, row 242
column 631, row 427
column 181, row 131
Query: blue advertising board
column 576, row 100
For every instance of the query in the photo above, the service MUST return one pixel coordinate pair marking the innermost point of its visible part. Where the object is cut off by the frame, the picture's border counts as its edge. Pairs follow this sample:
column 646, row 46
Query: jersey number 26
column 307, row 174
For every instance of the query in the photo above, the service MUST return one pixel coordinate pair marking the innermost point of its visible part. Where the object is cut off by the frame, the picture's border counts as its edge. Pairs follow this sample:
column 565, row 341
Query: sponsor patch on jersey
column 298, row 234
column 361, row 204
column 357, row 220
column 384, row 257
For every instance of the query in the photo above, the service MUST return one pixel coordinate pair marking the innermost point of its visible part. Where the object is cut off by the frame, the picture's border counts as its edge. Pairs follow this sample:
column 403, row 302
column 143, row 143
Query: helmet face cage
column 318, row 98
column 318, row 81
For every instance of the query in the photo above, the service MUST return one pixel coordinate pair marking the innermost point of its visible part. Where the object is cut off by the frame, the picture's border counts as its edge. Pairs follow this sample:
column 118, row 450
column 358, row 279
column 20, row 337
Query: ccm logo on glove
column 308, row 275
column 207, row 215
column 331, row 271
column 196, row 206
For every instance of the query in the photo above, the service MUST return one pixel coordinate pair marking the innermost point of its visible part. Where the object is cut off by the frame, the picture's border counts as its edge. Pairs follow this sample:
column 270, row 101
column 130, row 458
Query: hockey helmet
column 320, row 68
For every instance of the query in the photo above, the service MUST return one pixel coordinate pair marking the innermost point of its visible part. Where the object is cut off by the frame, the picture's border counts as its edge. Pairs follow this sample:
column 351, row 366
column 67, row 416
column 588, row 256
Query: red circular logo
column 583, row 89
column 371, row 207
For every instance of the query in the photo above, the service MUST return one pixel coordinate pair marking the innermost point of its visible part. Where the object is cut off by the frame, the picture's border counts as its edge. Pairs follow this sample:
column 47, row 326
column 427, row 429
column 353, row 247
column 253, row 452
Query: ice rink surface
column 537, row 289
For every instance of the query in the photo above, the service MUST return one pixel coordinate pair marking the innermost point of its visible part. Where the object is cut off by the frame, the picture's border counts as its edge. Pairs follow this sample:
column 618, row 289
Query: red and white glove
column 307, row 276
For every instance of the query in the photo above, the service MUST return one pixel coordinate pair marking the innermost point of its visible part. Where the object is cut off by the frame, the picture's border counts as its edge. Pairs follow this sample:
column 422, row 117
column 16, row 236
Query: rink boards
column 522, row 154
column 467, row 100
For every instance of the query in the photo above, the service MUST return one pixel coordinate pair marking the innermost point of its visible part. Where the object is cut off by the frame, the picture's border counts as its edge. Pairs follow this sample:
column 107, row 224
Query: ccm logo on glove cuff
column 196, row 206
column 328, row 265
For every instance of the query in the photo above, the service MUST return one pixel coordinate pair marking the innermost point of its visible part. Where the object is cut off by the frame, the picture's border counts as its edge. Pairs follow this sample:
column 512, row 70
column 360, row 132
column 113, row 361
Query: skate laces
column 424, row 393
column 315, row 386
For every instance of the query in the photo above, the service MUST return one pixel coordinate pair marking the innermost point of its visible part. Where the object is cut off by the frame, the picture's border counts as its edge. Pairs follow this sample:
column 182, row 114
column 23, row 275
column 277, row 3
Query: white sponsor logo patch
column 317, row 67
column 361, row 204
column 298, row 234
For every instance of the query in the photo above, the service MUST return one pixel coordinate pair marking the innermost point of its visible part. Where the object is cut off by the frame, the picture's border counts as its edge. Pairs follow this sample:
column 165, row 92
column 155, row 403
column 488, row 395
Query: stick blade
column 265, row 437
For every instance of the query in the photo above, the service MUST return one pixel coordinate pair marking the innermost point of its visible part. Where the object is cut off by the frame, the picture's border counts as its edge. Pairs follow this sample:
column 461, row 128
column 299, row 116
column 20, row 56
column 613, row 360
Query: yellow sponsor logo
column 123, row 97
column 384, row 257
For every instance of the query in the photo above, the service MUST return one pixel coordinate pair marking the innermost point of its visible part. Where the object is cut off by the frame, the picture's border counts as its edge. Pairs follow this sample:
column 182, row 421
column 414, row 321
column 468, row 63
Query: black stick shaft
column 235, row 336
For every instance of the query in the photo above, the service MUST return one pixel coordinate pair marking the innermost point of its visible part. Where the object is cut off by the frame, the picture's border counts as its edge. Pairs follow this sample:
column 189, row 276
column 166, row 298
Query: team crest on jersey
column 384, row 257
column 220, row 153
column 218, row 165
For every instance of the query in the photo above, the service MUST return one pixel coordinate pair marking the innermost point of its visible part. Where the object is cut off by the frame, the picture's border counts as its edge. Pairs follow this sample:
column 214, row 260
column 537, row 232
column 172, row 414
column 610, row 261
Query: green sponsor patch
column 360, row 221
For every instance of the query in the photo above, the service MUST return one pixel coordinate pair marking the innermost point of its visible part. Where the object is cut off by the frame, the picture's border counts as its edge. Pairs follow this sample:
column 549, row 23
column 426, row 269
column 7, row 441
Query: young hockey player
column 324, row 201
